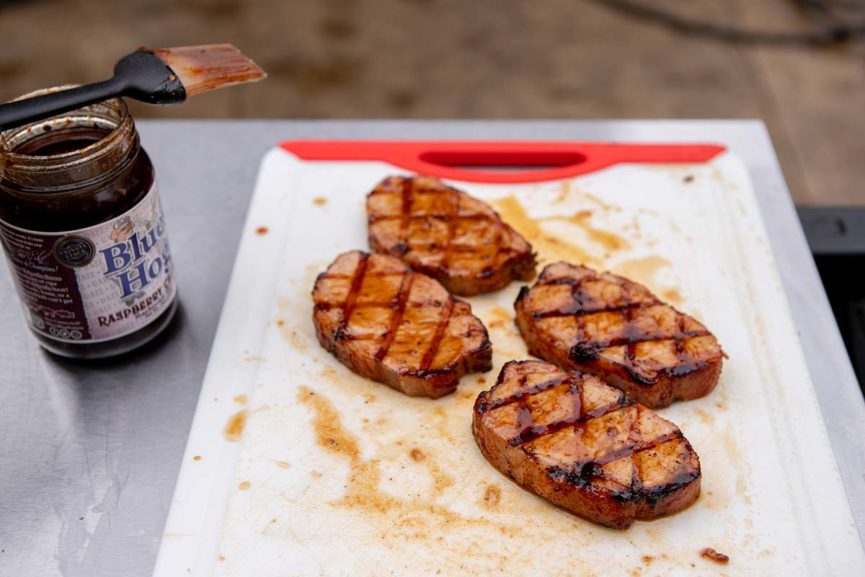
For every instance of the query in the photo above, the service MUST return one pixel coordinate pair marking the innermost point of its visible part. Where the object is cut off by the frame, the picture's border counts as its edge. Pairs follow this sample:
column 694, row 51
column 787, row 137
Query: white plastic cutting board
column 297, row 467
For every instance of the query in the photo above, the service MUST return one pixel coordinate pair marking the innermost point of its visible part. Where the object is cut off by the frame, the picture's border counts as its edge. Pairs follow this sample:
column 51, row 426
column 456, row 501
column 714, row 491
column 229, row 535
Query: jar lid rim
column 70, row 158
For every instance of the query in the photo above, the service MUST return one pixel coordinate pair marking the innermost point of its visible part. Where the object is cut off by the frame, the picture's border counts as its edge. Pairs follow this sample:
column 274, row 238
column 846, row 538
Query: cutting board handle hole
column 502, row 160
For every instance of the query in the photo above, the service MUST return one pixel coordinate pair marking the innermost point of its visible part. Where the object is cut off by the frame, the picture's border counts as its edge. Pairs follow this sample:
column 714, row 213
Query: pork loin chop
column 447, row 234
column 396, row 326
column 584, row 445
column 607, row 325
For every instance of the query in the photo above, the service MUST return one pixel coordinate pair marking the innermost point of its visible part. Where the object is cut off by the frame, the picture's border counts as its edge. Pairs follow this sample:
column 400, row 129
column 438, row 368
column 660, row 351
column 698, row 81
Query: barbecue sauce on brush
column 82, row 228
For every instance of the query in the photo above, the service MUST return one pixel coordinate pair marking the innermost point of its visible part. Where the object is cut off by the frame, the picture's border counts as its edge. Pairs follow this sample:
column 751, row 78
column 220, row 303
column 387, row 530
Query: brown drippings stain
column 642, row 269
column 712, row 555
column 290, row 334
column 315, row 474
column 443, row 424
column 319, row 201
column 550, row 247
column 499, row 318
column 647, row 559
column 362, row 489
column 564, row 191
column 482, row 380
column 600, row 202
column 609, row 240
column 411, row 519
column 368, row 398
column 705, row 416
column 244, row 485
column 327, row 424
column 441, row 480
column 234, row 428
column 500, row 314
column 282, row 464
column 221, row 557
column 295, row 339
column 240, row 399
column 262, row 230
column 672, row 295
column 196, row 458
column 417, row 455
column 742, row 489
column 492, row 496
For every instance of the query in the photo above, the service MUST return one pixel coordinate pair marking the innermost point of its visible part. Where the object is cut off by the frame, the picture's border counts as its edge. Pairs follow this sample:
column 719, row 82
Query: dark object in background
column 832, row 27
column 837, row 239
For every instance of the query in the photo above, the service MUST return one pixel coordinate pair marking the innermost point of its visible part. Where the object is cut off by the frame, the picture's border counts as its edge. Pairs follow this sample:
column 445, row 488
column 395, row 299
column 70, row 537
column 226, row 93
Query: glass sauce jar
column 82, row 228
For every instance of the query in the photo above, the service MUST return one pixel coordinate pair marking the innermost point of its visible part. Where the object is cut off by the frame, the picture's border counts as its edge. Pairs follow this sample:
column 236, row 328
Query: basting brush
column 155, row 76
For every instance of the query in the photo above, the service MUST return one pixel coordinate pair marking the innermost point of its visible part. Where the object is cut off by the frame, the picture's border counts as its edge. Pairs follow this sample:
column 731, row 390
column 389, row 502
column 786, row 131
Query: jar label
column 97, row 283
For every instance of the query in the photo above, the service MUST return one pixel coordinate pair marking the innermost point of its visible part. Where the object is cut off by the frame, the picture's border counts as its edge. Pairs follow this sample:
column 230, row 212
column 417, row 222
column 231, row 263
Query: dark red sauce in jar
column 82, row 227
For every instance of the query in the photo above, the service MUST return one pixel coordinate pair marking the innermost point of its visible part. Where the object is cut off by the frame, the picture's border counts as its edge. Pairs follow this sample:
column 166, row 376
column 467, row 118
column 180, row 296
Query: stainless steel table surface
column 89, row 454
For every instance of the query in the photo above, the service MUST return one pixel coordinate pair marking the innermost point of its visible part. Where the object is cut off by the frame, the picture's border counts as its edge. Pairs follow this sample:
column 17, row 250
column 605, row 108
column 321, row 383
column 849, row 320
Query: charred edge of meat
column 655, row 496
column 582, row 479
column 642, row 379
column 486, row 344
column 425, row 373
column 486, row 272
column 583, row 476
column 581, row 352
column 483, row 404
column 686, row 368
column 524, row 291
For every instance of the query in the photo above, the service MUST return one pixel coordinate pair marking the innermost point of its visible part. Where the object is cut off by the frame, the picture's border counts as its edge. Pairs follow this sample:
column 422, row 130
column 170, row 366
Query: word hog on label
column 132, row 265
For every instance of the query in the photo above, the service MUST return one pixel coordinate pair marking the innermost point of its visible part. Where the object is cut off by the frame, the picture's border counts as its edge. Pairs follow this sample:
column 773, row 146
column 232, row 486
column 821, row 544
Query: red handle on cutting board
column 500, row 161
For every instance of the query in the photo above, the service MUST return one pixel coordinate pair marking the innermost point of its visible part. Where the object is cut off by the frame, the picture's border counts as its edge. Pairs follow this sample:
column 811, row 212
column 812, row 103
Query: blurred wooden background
column 570, row 59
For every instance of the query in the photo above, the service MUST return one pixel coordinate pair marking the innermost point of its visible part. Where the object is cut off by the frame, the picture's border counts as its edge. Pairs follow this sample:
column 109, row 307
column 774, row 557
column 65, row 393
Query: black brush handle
column 23, row 112
column 141, row 75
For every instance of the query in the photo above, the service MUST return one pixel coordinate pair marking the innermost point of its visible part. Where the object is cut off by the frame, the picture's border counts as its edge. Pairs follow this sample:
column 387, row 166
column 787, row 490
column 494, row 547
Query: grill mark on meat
column 586, row 310
column 589, row 349
column 353, row 292
column 421, row 217
column 454, row 207
column 399, row 310
column 402, row 246
column 430, row 353
column 631, row 347
column 490, row 405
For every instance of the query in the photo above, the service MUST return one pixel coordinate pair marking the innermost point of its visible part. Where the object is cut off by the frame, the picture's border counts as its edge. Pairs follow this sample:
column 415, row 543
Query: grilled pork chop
column 393, row 325
column 447, row 234
column 607, row 325
column 584, row 445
